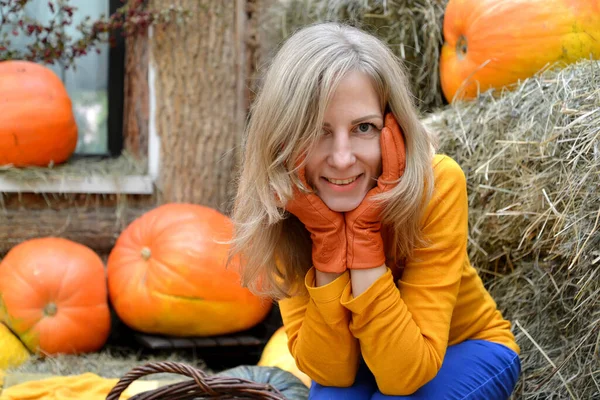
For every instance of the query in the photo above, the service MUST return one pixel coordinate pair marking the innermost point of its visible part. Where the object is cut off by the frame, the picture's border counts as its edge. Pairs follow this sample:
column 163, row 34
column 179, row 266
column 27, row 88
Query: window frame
column 139, row 184
column 116, row 87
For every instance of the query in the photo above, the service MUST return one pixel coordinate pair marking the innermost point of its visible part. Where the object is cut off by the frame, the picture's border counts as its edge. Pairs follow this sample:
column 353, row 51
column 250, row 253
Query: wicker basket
column 201, row 386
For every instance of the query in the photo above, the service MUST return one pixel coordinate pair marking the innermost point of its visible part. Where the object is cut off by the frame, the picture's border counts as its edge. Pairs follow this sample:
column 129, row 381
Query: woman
column 345, row 214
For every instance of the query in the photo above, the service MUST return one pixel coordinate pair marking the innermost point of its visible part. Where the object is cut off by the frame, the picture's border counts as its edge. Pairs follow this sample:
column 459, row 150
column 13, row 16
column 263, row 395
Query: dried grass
column 411, row 28
column 532, row 160
column 110, row 362
column 78, row 166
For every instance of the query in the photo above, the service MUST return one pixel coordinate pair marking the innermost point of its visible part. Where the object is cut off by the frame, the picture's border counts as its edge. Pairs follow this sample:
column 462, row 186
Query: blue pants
column 473, row 369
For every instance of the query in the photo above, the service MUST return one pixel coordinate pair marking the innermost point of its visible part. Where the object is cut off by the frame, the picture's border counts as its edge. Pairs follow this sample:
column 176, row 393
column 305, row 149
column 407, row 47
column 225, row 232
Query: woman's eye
column 365, row 127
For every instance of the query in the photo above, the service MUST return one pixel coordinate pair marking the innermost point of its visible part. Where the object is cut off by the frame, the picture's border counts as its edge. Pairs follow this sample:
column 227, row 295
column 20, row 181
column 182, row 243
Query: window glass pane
column 87, row 84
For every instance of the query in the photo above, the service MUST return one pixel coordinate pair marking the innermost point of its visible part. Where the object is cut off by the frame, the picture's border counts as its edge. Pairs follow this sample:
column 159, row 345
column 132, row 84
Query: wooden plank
column 96, row 224
column 205, row 342
column 182, row 343
column 135, row 184
column 250, row 341
column 227, row 341
column 156, row 342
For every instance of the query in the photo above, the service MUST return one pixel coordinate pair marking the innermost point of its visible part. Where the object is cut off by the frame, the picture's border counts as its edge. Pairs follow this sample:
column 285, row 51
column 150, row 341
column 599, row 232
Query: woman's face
column 346, row 162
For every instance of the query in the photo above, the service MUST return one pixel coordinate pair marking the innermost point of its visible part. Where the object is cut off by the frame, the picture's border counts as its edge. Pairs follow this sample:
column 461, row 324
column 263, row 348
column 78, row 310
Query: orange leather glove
column 363, row 224
column 326, row 229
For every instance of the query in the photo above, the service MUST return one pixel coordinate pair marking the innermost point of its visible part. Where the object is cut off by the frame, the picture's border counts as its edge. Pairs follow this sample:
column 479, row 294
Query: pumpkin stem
column 146, row 253
column 50, row 310
column 461, row 47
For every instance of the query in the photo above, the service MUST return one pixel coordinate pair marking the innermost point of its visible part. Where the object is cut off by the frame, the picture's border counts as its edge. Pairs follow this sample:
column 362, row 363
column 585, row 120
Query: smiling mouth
column 341, row 181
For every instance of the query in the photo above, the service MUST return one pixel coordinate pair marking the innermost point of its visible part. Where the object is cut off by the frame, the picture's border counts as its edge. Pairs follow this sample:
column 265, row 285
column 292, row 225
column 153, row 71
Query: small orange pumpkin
column 37, row 124
column 495, row 43
column 53, row 296
column 167, row 275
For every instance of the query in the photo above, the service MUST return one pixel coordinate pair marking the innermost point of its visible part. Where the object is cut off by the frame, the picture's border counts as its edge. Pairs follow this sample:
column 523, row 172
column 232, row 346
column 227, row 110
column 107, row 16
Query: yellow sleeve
column 403, row 331
column 318, row 332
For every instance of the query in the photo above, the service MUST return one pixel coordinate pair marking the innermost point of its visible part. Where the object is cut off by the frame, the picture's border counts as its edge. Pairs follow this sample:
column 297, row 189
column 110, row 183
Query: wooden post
column 136, row 108
column 200, row 105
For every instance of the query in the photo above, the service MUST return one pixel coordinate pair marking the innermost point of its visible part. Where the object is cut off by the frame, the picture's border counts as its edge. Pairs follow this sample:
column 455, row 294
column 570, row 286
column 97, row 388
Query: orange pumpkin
column 167, row 275
column 53, row 296
column 37, row 125
column 494, row 43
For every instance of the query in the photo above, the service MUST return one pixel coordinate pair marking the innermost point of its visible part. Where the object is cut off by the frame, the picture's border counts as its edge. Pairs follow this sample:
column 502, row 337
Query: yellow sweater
column 403, row 323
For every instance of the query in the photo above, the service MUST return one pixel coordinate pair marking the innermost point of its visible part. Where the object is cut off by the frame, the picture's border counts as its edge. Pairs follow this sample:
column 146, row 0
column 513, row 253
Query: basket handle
column 156, row 368
column 206, row 383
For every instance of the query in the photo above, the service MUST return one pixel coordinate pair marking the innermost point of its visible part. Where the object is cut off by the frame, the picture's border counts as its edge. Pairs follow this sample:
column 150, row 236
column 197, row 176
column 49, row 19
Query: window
column 95, row 85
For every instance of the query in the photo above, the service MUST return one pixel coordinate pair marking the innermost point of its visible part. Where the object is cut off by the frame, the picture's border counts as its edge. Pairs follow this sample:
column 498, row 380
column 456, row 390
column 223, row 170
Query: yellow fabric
column 405, row 320
column 85, row 386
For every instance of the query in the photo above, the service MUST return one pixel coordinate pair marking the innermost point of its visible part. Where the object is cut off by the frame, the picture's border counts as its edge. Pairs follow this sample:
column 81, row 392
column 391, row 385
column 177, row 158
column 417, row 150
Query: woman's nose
column 342, row 155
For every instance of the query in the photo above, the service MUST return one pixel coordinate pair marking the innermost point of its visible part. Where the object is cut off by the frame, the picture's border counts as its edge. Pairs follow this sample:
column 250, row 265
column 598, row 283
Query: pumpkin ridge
column 172, row 271
column 62, row 283
column 17, row 273
column 475, row 10
column 127, row 285
column 192, row 299
column 156, row 233
column 179, row 297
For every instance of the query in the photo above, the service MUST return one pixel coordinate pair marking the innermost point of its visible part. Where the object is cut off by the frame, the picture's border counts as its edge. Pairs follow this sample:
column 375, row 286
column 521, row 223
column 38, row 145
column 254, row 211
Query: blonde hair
column 285, row 120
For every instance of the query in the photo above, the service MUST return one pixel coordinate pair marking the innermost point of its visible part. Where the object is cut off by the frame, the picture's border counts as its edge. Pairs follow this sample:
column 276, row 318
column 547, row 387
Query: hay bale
column 532, row 160
column 78, row 167
column 555, row 321
column 412, row 29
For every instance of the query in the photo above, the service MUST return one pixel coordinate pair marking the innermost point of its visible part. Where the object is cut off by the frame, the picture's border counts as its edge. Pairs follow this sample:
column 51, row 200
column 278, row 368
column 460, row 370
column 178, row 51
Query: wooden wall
column 205, row 74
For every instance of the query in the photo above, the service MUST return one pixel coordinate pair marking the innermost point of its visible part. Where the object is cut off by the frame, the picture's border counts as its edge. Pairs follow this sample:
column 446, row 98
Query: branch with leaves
column 50, row 44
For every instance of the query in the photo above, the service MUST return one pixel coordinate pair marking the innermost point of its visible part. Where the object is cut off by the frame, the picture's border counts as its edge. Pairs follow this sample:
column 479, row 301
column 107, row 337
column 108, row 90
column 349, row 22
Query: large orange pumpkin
column 167, row 274
column 37, row 125
column 53, row 296
column 494, row 43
